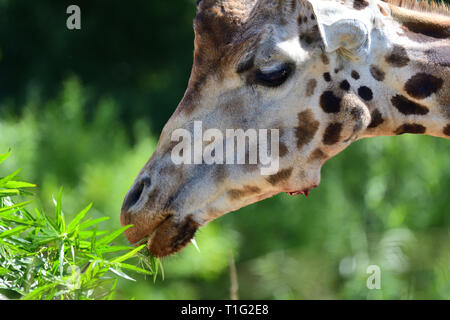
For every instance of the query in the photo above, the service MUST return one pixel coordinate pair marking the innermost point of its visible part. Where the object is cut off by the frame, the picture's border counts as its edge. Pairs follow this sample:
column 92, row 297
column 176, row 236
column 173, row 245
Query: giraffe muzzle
column 164, row 231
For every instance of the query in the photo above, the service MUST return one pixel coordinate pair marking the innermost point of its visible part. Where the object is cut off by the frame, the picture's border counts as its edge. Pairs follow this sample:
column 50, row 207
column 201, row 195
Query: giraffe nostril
column 135, row 193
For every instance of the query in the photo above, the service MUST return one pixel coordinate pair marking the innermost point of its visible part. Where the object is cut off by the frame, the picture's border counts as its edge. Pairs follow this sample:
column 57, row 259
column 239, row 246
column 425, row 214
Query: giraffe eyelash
column 275, row 77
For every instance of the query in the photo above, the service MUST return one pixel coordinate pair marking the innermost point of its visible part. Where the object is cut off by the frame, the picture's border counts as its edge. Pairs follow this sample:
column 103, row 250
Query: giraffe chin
column 171, row 237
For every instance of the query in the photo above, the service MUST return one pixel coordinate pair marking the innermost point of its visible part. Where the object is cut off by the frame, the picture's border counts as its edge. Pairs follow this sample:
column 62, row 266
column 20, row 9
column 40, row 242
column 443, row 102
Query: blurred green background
column 83, row 109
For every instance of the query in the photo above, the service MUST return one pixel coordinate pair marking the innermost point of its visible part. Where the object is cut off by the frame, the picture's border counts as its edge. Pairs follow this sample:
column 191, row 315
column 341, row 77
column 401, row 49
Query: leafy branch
column 44, row 257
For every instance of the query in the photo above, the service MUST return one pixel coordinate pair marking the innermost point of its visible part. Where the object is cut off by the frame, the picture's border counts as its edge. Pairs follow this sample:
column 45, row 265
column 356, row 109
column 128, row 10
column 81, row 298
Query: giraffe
column 324, row 72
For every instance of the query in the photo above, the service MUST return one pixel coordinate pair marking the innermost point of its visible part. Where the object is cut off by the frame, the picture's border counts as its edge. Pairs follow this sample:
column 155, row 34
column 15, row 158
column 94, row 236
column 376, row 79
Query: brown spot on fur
column 447, row 130
column 310, row 87
column 407, row 107
column 360, row 4
column 236, row 194
column 413, row 128
column 345, row 85
column 355, row 75
column 311, row 36
column 308, row 39
column 318, row 154
column 398, row 57
column 422, row 85
column 307, row 128
column 324, row 58
column 329, row 102
column 283, row 150
column 365, row 93
column 282, row 175
column 332, row 133
column 300, row 19
column 377, row 119
column 377, row 73
column 220, row 172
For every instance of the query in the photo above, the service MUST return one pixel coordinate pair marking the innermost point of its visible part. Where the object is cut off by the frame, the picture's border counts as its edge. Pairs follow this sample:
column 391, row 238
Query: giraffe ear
column 340, row 29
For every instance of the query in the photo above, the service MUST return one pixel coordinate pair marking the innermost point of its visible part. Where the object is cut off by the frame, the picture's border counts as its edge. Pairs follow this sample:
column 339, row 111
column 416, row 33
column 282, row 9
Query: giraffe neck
column 404, row 82
column 413, row 94
column 408, row 84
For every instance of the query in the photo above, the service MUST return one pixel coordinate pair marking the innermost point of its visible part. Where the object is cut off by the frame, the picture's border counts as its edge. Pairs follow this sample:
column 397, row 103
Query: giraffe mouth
column 296, row 193
column 172, row 236
column 304, row 192
column 168, row 237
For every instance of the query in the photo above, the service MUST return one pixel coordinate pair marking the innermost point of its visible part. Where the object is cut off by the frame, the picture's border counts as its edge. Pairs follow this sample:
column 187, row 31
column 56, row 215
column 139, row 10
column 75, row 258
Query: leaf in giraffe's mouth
column 194, row 243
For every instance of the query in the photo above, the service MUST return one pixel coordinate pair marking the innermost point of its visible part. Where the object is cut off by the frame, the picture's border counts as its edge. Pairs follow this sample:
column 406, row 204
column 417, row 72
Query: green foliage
column 44, row 257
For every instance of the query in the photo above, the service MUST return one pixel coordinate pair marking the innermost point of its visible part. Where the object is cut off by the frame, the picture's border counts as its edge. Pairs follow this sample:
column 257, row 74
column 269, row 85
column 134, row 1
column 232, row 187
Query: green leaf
column 35, row 294
column 4, row 156
column 16, row 206
column 113, row 235
column 90, row 223
column 128, row 255
column 111, row 295
column 93, row 241
column 109, row 249
column 121, row 274
column 41, row 240
column 3, row 271
column 9, row 177
column 80, row 216
column 14, row 231
column 90, row 233
column 12, row 218
column 134, row 268
column 50, row 223
column 18, row 184
column 9, row 192
column 59, row 215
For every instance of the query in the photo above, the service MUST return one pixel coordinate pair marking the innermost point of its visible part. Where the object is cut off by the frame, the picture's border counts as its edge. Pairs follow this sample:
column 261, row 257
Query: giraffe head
column 258, row 64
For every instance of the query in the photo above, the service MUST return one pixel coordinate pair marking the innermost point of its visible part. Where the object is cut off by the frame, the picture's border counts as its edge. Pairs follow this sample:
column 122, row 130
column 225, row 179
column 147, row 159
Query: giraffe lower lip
column 304, row 192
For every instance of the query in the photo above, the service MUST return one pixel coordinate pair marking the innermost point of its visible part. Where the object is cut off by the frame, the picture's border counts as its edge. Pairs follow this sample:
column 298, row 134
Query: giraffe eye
column 274, row 78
